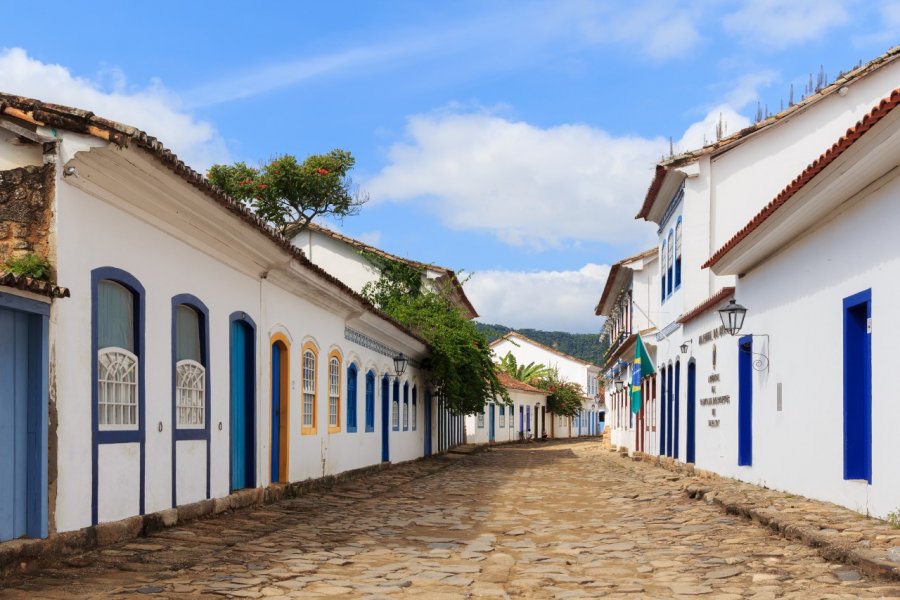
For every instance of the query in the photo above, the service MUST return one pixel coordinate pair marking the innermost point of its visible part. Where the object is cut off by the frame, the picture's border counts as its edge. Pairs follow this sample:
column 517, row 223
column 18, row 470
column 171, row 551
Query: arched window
column 481, row 419
column 351, row 398
column 310, row 358
column 406, row 406
column 117, row 360
column 334, row 392
column 502, row 416
column 370, row 401
column 678, row 254
column 662, row 266
column 190, row 369
column 670, row 264
column 395, row 413
column 415, row 412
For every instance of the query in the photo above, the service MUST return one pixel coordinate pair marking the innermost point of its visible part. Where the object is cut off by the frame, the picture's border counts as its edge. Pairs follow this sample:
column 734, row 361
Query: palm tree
column 530, row 373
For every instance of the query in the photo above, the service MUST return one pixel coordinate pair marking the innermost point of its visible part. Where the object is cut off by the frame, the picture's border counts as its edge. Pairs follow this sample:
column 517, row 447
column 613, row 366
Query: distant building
column 499, row 422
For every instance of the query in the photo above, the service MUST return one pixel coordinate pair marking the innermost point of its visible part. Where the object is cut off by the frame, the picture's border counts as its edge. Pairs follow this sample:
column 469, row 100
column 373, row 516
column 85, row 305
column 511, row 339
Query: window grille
column 395, row 418
column 190, row 388
column 117, row 385
column 370, row 401
column 481, row 420
column 309, row 388
column 334, row 391
column 414, row 408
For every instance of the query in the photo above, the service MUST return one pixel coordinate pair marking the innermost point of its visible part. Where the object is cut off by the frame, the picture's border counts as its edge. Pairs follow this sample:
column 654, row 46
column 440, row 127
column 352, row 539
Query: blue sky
column 510, row 139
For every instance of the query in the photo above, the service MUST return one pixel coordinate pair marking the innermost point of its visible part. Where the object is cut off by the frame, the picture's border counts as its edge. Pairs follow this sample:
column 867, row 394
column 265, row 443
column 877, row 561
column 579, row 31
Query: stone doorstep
column 871, row 561
column 22, row 555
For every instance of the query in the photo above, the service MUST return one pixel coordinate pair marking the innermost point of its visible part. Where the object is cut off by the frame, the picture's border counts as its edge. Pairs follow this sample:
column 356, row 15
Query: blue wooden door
column 242, row 411
column 691, row 412
column 492, row 436
column 745, row 401
column 676, row 410
column 385, row 424
column 13, row 423
column 427, row 422
column 858, row 386
column 276, row 410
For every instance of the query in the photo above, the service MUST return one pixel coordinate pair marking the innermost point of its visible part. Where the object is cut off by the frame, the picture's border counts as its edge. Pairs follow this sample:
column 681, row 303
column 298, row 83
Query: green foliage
column 893, row 519
column 530, row 373
column 460, row 367
column 397, row 280
column 565, row 397
column 289, row 193
column 30, row 265
column 580, row 345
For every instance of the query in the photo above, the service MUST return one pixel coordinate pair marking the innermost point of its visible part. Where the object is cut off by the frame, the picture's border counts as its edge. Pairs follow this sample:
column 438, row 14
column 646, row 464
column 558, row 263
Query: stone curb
column 871, row 561
column 24, row 555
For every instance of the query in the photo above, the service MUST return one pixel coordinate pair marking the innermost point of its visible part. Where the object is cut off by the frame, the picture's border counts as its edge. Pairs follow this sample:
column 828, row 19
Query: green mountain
column 585, row 346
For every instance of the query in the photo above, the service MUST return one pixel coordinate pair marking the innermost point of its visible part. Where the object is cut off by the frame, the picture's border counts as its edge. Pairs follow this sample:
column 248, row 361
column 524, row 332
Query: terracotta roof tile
column 611, row 277
column 82, row 121
column 511, row 383
column 715, row 299
column 35, row 286
column 728, row 142
column 881, row 110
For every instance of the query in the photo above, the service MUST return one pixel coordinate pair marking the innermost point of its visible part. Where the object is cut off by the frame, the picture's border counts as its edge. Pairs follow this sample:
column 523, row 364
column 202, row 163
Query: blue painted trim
column 117, row 437
column 415, row 413
column 38, row 401
column 395, row 400
column 405, row 414
column 677, row 257
column 355, row 410
column 191, row 434
column 428, row 411
column 385, row 416
column 251, row 442
column 676, row 412
column 745, row 401
column 671, row 208
column 28, row 305
column 857, row 380
column 370, row 401
column 691, row 451
column 662, row 411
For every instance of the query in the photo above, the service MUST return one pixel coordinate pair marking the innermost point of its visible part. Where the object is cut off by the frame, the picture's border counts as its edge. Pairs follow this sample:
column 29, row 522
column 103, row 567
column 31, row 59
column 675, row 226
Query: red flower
column 321, row 171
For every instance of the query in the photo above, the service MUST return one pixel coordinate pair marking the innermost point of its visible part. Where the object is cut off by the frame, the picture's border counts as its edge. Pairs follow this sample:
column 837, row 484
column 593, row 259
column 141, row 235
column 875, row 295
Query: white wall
column 525, row 352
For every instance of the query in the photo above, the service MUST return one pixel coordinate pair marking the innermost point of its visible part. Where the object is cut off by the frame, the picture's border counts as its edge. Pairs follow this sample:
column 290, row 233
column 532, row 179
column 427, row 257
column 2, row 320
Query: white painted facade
column 515, row 423
column 794, row 297
column 122, row 208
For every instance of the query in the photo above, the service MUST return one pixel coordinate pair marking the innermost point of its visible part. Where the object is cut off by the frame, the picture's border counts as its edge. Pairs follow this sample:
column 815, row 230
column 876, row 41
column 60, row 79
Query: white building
column 569, row 368
column 500, row 422
column 199, row 352
column 630, row 303
column 345, row 258
column 818, row 271
column 698, row 202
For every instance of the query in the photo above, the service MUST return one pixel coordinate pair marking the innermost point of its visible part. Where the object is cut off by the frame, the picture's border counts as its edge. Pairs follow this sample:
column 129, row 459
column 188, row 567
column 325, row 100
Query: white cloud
column 528, row 185
column 152, row 108
column 554, row 300
column 373, row 238
column 776, row 24
column 704, row 132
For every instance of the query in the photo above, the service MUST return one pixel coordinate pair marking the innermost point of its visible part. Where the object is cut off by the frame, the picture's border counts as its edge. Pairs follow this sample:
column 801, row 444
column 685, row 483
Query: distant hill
column 585, row 346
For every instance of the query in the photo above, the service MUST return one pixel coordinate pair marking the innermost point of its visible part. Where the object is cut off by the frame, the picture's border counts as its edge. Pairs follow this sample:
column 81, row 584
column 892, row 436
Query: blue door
column 385, row 424
column 745, row 401
column 23, row 419
column 669, row 411
column 427, row 422
column 676, row 410
column 492, row 436
column 691, row 412
column 662, row 412
column 13, row 424
column 276, row 411
column 858, row 387
column 243, row 445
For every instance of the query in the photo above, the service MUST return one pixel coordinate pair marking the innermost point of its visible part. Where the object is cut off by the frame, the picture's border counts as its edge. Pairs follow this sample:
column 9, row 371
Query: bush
column 30, row 265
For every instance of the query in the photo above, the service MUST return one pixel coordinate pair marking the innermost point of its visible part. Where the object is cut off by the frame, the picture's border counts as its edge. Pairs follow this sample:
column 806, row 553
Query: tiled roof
column 511, row 383
column 82, row 121
column 360, row 245
column 732, row 140
column 35, row 286
column 542, row 346
column 715, row 299
column 881, row 110
column 611, row 277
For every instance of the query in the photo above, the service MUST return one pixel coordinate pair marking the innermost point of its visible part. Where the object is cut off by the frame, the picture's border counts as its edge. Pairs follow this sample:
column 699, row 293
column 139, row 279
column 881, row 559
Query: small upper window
column 117, row 361
column 190, row 373
column 678, row 253
column 662, row 266
column 670, row 263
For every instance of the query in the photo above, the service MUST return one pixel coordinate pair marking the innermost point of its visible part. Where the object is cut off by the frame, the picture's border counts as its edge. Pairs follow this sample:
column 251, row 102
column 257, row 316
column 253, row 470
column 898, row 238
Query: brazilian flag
column 643, row 367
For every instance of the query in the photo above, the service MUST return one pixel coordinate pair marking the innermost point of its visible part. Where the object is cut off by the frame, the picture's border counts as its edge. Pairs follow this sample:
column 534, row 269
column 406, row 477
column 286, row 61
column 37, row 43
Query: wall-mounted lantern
column 400, row 364
column 732, row 317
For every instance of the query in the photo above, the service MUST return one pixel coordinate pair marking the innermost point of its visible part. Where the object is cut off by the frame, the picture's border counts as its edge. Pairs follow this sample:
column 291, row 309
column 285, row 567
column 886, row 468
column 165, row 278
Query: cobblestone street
column 561, row 520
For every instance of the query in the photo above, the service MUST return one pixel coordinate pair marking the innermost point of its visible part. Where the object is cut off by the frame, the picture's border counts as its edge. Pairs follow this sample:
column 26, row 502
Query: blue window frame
column 406, row 406
column 370, row 401
column 395, row 408
column 351, row 398
column 662, row 269
column 415, row 407
column 670, row 263
column 678, row 254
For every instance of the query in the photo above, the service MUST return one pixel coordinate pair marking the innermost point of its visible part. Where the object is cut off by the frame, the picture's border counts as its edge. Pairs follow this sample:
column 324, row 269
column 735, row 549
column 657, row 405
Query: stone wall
column 26, row 195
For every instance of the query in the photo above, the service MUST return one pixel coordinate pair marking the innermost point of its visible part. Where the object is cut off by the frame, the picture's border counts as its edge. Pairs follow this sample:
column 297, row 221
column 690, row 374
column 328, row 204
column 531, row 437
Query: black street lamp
column 732, row 317
column 400, row 364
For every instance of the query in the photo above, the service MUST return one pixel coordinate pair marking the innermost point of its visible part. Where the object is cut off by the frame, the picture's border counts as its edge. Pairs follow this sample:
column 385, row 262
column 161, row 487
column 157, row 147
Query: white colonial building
column 570, row 369
column 198, row 354
column 708, row 412
column 630, row 304
column 501, row 422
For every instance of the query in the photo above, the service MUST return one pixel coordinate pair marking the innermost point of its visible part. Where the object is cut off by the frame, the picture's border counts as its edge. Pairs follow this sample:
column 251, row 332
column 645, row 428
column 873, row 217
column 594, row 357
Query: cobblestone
column 554, row 520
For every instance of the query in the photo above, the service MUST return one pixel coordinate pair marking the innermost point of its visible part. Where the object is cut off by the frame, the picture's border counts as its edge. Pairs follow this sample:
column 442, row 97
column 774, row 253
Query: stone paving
column 554, row 520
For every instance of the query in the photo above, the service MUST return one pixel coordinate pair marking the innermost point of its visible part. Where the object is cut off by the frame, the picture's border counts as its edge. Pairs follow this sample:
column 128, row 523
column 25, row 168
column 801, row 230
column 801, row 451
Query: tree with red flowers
column 289, row 194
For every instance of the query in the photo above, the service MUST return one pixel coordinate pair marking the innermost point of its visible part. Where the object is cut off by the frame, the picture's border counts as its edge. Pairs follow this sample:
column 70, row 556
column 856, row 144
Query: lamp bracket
column 761, row 362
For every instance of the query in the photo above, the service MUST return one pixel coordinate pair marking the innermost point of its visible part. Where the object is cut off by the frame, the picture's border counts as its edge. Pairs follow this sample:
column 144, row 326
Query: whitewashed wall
column 525, row 352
